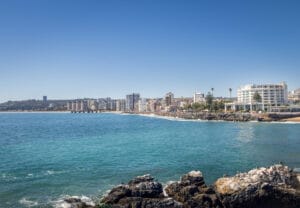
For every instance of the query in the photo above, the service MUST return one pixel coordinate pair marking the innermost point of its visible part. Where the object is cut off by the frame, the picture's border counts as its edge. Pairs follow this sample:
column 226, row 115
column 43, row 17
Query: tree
column 209, row 100
column 257, row 97
column 230, row 90
column 198, row 107
column 212, row 91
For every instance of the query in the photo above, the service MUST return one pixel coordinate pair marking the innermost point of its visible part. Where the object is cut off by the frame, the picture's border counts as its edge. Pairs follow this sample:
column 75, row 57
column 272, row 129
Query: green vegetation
column 209, row 105
column 257, row 97
column 209, row 100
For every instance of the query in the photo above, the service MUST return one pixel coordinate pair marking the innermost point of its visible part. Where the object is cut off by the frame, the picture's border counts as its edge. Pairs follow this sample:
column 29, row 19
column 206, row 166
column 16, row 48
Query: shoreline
column 196, row 117
column 293, row 120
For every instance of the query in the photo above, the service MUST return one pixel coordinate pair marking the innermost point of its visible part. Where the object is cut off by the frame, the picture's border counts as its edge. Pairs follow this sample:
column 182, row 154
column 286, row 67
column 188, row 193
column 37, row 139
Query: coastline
column 34, row 112
column 295, row 120
column 197, row 117
column 292, row 120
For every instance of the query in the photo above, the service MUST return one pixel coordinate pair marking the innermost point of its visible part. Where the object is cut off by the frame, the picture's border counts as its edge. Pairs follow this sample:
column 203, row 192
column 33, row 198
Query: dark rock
column 273, row 187
column 140, row 179
column 141, row 192
column 116, row 194
column 192, row 191
column 77, row 202
column 147, row 189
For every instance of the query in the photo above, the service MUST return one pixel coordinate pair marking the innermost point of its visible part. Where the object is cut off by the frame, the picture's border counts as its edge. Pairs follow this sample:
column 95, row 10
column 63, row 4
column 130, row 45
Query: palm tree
column 230, row 90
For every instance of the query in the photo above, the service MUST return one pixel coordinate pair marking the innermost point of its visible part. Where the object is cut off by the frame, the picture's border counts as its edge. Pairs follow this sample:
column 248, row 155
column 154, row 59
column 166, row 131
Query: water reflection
column 245, row 133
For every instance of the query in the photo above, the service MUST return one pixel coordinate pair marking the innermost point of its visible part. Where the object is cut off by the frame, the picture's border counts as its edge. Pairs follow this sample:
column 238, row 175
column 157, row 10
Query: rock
column 192, row 191
column 147, row 189
column 76, row 202
column 140, row 192
column 116, row 194
column 140, row 179
column 273, row 187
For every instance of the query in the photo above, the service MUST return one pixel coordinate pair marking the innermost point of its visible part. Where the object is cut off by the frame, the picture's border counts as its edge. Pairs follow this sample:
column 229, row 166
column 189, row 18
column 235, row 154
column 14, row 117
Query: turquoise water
column 46, row 156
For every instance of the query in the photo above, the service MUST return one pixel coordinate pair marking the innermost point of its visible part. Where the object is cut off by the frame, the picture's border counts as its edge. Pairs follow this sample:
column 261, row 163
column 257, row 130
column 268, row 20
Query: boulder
column 140, row 192
column 273, row 187
column 192, row 191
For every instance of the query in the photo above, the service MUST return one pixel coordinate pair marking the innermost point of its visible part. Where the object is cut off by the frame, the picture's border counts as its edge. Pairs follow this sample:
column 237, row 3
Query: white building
column 199, row 97
column 142, row 105
column 121, row 105
column 272, row 96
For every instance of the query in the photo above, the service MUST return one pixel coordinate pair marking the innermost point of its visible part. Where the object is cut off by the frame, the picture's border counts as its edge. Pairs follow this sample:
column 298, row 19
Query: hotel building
column 272, row 96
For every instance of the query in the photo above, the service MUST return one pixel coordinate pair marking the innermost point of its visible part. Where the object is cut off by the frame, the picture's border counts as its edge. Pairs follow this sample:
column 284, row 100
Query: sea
column 46, row 157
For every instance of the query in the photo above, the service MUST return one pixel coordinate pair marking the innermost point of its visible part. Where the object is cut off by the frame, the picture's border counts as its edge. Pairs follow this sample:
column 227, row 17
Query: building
column 169, row 97
column 294, row 96
column 44, row 98
column 92, row 105
column 83, row 106
column 142, row 105
column 270, row 97
column 199, row 97
column 121, row 105
column 271, row 94
column 73, row 106
column 78, row 106
column 102, row 104
column 132, row 101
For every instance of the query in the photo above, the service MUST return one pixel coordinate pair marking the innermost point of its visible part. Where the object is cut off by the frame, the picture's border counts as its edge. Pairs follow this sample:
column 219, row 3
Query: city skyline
column 69, row 50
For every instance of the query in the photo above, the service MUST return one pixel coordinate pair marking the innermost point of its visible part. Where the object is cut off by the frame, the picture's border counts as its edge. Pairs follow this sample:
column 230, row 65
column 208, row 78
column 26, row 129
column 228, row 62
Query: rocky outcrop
column 276, row 186
column 141, row 192
column 192, row 191
column 273, row 187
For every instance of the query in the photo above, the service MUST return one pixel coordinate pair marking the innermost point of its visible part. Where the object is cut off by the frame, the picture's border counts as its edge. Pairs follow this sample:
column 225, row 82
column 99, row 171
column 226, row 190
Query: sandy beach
column 295, row 119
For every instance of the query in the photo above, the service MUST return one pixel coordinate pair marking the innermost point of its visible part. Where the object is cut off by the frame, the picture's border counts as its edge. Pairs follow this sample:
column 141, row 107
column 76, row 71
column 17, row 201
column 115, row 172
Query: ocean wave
column 53, row 172
column 64, row 201
column 28, row 203
column 8, row 177
column 282, row 122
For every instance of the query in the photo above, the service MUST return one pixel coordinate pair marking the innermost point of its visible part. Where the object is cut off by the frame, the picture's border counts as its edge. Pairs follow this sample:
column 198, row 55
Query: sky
column 69, row 49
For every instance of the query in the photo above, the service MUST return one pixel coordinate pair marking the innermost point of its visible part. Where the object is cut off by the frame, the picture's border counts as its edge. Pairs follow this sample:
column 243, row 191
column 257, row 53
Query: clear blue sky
column 73, row 49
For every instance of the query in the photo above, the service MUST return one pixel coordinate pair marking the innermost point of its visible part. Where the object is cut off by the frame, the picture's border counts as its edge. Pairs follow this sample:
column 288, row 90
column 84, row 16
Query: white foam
column 195, row 173
column 61, row 203
column 28, row 203
column 53, row 172
column 50, row 172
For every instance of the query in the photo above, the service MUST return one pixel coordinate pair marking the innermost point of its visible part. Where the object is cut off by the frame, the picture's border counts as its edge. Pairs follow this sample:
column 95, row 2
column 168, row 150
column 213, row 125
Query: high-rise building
column 169, row 97
column 132, row 101
column 271, row 94
column 44, row 98
column 262, row 97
